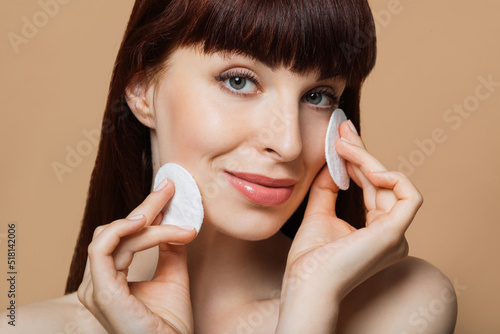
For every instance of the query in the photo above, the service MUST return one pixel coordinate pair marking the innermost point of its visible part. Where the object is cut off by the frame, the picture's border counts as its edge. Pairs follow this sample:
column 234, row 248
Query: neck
column 225, row 271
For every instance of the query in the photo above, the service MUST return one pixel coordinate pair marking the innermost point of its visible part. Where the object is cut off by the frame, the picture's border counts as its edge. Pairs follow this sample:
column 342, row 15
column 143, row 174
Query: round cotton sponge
column 336, row 164
column 185, row 207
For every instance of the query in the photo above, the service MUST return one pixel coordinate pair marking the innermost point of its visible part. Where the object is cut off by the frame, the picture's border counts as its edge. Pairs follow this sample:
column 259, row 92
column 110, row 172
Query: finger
column 158, row 219
column 322, row 198
column 346, row 132
column 359, row 157
column 146, row 238
column 87, row 267
column 155, row 202
column 369, row 191
column 97, row 302
column 357, row 176
column 356, row 141
column 102, row 266
column 323, row 194
column 409, row 198
column 82, row 289
column 98, row 230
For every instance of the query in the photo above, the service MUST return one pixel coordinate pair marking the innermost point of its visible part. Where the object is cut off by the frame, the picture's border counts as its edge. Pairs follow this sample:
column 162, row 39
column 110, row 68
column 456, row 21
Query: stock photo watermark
column 426, row 314
column 11, row 272
column 32, row 24
column 257, row 318
column 74, row 155
column 453, row 118
column 382, row 19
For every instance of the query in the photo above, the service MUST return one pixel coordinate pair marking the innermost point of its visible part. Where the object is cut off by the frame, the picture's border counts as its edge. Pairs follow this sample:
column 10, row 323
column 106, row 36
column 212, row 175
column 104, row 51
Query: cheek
column 193, row 125
column 313, row 141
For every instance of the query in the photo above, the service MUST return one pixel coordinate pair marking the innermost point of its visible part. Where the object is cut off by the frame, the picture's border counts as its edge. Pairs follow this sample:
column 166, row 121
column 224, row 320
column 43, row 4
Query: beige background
column 431, row 56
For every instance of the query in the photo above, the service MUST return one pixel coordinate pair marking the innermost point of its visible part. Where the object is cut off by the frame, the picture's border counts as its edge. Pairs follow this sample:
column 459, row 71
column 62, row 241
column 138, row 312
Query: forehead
column 313, row 70
column 303, row 34
column 245, row 59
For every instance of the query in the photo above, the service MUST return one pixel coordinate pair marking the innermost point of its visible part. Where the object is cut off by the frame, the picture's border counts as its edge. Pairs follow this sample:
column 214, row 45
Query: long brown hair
column 333, row 37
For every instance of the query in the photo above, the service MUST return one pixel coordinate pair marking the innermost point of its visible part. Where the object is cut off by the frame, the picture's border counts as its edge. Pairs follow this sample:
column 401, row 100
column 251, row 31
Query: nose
column 280, row 135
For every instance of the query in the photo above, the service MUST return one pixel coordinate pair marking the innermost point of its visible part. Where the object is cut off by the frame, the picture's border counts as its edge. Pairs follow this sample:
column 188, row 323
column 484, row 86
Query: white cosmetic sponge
column 336, row 164
column 185, row 207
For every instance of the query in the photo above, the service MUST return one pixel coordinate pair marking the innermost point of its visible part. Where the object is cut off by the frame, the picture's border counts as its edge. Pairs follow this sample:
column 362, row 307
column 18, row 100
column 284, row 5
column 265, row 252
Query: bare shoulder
column 59, row 315
column 411, row 296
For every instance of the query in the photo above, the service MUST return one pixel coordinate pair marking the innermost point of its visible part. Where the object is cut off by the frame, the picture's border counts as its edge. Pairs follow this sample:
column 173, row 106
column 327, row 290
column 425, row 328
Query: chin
column 245, row 225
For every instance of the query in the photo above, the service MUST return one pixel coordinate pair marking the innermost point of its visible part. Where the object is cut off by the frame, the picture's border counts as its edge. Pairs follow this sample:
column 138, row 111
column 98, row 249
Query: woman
column 234, row 91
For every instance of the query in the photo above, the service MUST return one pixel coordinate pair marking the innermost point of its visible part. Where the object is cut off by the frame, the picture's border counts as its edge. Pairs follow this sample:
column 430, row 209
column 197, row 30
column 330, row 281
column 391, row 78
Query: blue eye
column 322, row 99
column 239, row 83
column 315, row 98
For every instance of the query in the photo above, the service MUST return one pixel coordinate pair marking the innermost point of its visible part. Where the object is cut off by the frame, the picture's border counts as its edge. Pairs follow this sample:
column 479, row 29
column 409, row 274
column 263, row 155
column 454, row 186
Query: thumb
column 322, row 195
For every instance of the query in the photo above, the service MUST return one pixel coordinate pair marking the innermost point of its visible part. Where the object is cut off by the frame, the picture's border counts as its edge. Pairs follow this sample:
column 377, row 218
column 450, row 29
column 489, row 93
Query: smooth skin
column 163, row 304
column 331, row 278
column 343, row 257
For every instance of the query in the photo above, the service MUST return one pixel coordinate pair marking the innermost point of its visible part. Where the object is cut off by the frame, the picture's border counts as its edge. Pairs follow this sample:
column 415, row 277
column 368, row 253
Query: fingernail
column 162, row 185
column 136, row 217
column 175, row 243
column 346, row 140
column 186, row 227
column 353, row 128
column 377, row 171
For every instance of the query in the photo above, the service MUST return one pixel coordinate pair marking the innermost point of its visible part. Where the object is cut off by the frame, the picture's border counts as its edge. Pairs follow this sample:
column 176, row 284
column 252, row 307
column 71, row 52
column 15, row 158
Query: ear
column 139, row 95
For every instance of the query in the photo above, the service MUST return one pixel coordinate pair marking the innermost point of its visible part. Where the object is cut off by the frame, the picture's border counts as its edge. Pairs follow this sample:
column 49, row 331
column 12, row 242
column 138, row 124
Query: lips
column 261, row 189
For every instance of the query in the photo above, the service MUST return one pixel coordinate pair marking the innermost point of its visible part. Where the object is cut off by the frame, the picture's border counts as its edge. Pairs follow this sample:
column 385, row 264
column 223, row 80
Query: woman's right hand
column 162, row 305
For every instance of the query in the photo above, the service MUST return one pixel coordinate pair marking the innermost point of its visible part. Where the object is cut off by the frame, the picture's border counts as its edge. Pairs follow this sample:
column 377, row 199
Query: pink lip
column 261, row 189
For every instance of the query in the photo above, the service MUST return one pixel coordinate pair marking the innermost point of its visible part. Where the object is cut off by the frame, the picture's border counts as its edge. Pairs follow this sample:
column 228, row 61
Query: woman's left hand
column 328, row 257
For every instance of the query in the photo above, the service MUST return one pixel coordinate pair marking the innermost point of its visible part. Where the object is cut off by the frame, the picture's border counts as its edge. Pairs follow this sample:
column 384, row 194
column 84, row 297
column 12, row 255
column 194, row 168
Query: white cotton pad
column 336, row 164
column 185, row 207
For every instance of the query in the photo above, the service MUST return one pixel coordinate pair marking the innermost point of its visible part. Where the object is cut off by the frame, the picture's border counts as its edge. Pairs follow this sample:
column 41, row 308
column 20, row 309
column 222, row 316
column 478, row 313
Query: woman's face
column 219, row 115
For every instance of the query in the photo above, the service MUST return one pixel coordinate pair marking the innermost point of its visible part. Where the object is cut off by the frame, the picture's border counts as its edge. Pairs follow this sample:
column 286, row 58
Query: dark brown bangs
column 335, row 38
column 332, row 37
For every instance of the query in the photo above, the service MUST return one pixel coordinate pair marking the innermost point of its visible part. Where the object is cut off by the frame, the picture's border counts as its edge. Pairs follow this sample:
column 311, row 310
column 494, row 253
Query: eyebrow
column 230, row 54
